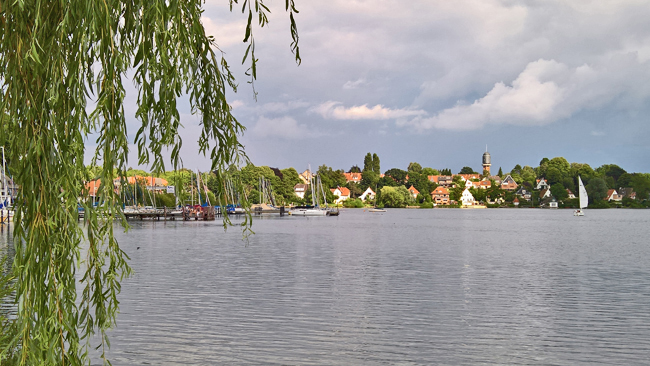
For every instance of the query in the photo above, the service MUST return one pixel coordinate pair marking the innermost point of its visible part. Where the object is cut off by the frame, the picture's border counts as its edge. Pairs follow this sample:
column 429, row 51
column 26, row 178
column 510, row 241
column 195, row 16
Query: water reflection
column 411, row 287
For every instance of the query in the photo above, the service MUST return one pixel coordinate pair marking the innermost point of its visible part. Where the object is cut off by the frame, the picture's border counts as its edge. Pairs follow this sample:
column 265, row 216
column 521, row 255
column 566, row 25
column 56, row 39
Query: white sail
column 584, row 200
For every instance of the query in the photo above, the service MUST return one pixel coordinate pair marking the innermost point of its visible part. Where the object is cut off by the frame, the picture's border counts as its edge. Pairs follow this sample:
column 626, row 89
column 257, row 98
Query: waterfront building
column 440, row 196
column 300, row 189
column 414, row 192
column 342, row 193
column 467, row 198
column 367, row 194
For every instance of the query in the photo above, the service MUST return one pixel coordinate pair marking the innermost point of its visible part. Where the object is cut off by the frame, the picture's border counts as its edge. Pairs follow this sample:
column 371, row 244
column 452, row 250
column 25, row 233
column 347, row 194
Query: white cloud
column 282, row 107
column 225, row 34
column 334, row 110
column 544, row 92
column 283, row 127
column 237, row 104
column 353, row 84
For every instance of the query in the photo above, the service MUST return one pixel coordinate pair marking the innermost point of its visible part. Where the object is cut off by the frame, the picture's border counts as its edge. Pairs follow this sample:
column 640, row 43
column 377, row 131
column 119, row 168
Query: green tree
column 331, row 178
column 559, row 192
column 395, row 197
column 467, row 170
column 516, row 170
column 369, row 179
column 596, row 189
column 398, row 175
column 414, row 167
column 430, row 171
column 355, row 189
column 500, row 174
column 528, row 174
column 610, row 170
column 445, row 171
column 625, row 180
column 641, row 185
column 355, row 169
column 367, row 163
column 55, row 57
column 376, row 166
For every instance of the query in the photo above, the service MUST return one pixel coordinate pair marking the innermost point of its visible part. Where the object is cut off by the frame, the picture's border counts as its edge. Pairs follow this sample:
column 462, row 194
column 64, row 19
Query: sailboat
column 584, row 199
column 315, row 210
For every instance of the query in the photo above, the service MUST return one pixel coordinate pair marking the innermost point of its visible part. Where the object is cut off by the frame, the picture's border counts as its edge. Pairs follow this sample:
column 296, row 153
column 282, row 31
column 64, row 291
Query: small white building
column 367, row 194
column 467, row 198
column 342, row 192
column 300, row 189
column 542, row 184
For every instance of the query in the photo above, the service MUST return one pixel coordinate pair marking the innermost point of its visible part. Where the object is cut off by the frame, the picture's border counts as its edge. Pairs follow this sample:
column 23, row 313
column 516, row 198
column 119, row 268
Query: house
column 545, row 193
column 352, row 177
column 612, row 195
column 467, row 199
column 440, row 196
column 93, row 186
column 523, row 193
column 300, row 190
column 484, row 184
column 469, row 184
column 470, row 176
column 541, row 184
column 306, row 176
column 342, row 192
column 548, row 202
column 445, row 180
column 367, row 194
column 433, row 178
column 414, row 192
column 516, row 202
column 570, row 194
column 509, row 184
column 158, row 185
column 627, row 193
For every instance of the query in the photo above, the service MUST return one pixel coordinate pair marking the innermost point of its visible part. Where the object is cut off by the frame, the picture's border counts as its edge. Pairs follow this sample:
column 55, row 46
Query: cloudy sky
column 436, row 81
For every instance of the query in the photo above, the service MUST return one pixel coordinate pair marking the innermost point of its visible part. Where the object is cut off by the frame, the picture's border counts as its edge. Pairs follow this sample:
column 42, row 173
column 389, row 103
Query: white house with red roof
column 367, row 194
column 342, row 192
column 612, row 195
column 541, row 184
column 570, row 194
column 414, row 192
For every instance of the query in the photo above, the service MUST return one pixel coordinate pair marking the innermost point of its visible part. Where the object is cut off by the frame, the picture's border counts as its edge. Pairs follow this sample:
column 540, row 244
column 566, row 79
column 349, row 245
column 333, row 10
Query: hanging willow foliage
column 55, row 57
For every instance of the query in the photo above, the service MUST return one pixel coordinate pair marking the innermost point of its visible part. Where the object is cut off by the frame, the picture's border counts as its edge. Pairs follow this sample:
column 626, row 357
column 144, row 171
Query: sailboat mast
column 5, row 189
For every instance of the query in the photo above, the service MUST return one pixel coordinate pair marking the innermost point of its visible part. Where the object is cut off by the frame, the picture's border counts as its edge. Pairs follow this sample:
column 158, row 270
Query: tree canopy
column 57, row 57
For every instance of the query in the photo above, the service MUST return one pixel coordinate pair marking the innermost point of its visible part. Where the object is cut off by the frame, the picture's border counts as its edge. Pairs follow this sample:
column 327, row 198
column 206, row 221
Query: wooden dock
column 197, row 213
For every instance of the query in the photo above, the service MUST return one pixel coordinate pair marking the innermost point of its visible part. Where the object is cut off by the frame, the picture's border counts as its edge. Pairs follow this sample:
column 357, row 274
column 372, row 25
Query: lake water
column 407, row 287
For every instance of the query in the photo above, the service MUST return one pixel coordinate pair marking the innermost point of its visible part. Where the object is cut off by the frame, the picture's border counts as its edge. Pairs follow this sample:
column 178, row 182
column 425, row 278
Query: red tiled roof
column 344, row 191
column 413, row 190
column 440, row 190
column 352, row 177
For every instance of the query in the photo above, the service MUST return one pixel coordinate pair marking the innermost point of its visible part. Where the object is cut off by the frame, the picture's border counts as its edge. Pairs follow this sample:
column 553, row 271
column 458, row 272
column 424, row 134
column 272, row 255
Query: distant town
column 552, row 184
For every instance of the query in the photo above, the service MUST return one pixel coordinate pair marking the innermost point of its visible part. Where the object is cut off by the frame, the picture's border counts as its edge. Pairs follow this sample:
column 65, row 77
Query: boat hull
column 309, row 212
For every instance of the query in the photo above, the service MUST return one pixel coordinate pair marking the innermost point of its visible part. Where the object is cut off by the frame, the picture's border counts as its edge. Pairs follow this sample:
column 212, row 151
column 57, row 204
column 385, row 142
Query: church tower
column 487, row 162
